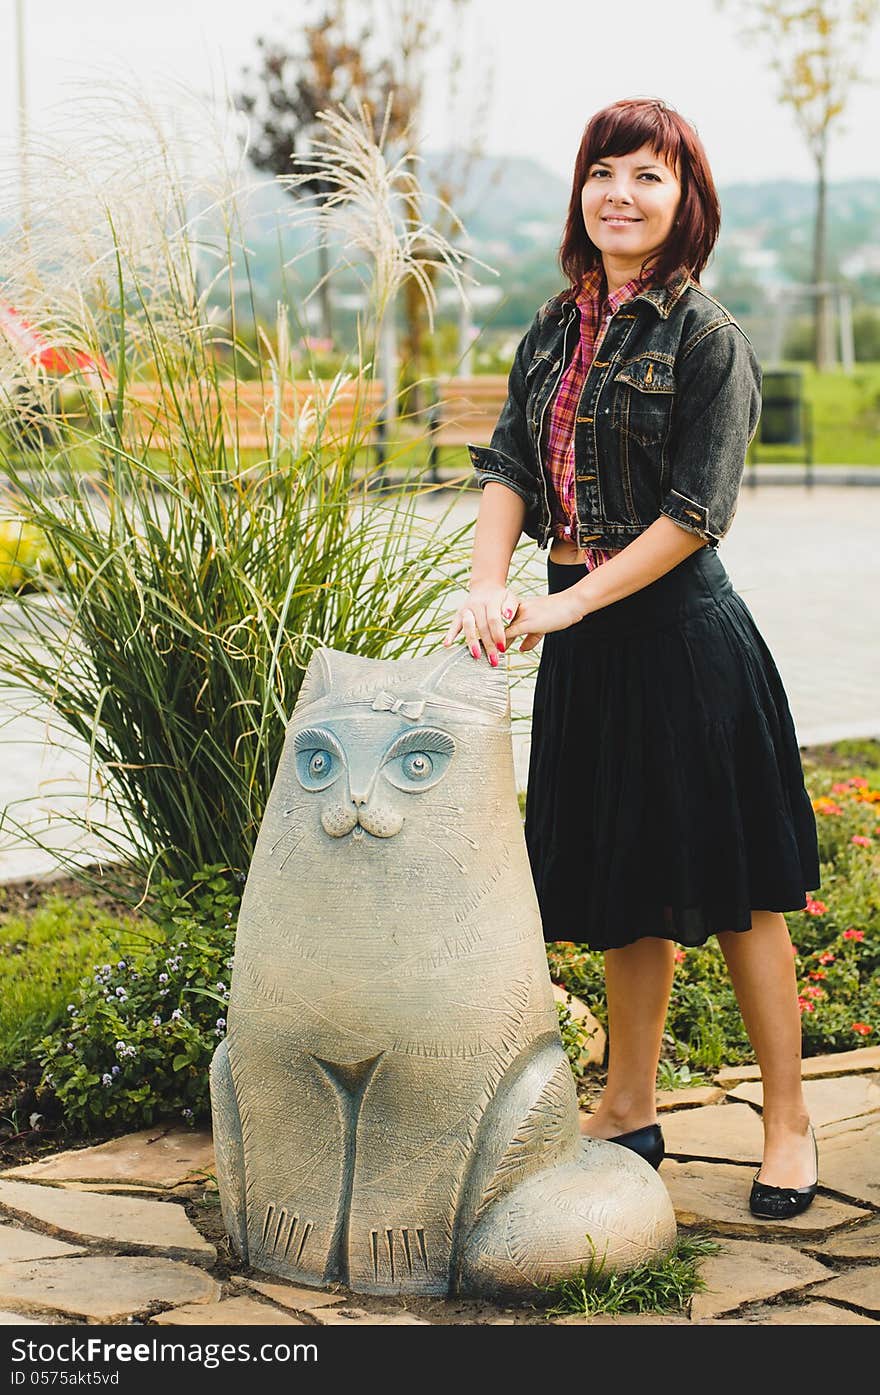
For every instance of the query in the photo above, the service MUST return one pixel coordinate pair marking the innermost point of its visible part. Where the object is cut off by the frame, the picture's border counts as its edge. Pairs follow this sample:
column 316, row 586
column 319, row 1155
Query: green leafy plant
column 43, row 954
column 141, row 1029
column 660, row 1286
column 576, row 1037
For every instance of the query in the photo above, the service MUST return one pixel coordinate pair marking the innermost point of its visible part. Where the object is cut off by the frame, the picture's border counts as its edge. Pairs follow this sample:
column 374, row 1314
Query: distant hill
column 514, row 209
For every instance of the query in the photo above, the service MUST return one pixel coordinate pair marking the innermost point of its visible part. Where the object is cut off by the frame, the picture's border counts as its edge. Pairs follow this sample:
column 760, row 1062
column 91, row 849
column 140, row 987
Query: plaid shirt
column 559, row 438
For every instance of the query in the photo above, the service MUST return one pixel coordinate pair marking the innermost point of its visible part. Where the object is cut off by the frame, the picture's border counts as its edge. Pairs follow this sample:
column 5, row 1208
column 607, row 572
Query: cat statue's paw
column 607, row 1207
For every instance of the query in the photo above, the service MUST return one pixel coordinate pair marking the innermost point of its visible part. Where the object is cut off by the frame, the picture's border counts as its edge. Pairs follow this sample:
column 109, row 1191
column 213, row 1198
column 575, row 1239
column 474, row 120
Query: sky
column 538, row 69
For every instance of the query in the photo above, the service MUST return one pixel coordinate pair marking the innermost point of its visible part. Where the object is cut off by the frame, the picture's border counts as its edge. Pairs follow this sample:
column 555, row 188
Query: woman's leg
column 638, row 981
column 761, row 967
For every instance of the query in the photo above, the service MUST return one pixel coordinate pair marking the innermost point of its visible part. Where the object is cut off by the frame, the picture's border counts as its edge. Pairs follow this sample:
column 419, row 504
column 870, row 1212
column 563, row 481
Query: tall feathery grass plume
column 206, row 530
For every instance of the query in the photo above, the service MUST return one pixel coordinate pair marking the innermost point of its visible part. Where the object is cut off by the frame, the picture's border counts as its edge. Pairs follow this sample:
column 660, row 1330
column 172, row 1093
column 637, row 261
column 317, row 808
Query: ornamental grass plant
column 190, row 579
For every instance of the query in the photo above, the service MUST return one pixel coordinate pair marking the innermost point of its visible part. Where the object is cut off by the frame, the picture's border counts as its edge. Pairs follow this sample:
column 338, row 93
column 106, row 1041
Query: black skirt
column 666, row 794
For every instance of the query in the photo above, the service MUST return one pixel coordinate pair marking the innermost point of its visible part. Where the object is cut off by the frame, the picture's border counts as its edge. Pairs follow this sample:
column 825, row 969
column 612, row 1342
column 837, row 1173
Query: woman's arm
column 499, row 524
column 653, row 553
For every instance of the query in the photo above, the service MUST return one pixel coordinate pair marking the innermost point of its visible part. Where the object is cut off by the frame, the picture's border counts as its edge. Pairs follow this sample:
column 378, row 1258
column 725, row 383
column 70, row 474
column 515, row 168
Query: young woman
column 666, row 799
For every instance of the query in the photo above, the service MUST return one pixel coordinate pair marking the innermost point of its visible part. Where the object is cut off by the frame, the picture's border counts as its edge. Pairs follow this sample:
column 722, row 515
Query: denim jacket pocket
column 642, row 401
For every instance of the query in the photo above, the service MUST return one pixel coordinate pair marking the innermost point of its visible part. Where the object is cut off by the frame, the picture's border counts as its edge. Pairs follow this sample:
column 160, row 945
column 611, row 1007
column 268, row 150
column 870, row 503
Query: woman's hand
column 483, row 615
column 541, row 615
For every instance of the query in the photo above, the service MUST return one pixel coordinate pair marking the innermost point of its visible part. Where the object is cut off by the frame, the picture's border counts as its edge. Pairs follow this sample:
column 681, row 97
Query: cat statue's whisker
column 420, row 833
column 447, row 828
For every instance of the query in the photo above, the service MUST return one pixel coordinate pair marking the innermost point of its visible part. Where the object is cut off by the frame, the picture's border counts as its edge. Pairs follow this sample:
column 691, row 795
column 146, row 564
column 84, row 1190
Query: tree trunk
column 824, row 325
column 324, row 292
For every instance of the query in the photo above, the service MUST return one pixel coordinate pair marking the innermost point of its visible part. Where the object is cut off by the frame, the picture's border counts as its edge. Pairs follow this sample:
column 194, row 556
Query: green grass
column 846, row 418
column 660, row 1286
column 43, row 955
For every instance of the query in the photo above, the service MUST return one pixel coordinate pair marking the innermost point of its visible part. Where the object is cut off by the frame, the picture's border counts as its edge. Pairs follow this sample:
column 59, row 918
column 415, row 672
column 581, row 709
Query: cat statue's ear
column 329, row 671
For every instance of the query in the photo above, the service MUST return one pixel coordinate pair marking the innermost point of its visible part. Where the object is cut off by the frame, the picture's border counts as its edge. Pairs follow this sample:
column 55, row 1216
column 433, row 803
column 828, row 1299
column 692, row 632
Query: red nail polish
column 475, row 651
column 493, row 660
column 501, row 649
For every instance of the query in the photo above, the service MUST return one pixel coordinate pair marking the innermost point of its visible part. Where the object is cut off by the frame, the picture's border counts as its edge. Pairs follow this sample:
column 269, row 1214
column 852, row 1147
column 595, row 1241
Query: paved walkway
column 130, row 1231
column 805, row 561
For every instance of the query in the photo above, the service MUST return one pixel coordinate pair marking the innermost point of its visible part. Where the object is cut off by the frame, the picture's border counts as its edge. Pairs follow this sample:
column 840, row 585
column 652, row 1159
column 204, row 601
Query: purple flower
column 163, row 978
column 71, row 1007
column 176, row 1015
column 121, row 1048
column 70, row 1046
column 114, row 1070
column 221, row 1022
column 187, row 1114
column 121, row 964
column 157, row 1022
column 106, row 1079
column 121, row 994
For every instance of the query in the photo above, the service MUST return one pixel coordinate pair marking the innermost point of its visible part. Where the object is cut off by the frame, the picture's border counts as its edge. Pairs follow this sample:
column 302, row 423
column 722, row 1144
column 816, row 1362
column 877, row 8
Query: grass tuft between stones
column 660, row 1286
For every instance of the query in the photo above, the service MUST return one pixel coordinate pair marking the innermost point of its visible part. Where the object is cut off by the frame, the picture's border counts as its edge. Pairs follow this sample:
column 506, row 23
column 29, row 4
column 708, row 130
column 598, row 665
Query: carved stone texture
column 393, row 1109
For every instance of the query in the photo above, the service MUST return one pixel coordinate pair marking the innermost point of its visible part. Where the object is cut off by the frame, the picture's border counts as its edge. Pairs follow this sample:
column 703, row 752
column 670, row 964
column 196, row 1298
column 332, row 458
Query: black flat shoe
column 778, row 1203
column 647, row 1142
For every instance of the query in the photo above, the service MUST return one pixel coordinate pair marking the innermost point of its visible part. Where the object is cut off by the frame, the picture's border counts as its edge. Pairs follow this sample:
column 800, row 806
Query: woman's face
column 629, row 204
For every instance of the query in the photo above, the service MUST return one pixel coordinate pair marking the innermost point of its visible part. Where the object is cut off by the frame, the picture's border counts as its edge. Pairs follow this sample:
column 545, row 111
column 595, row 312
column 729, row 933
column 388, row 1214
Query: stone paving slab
column 237, row 1312
column 861, row 1287
column 838, row 1063
column 716, row 1195
column 747, row 1270
column 728, row 1132
column 849, row 1163
column 689, row 1098
column 862, row 1243
column 155, row 1225
column 18, row 1244
column 163, row 1156
column 809, row 1315
column 359, row 1317
column 104, row 1288
column 829, row 1100
column 16, row 1320
column 300, row 1300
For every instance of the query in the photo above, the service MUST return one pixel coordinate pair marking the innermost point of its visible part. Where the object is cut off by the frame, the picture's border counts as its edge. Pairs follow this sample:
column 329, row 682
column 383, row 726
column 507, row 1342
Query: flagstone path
column 130, row 1231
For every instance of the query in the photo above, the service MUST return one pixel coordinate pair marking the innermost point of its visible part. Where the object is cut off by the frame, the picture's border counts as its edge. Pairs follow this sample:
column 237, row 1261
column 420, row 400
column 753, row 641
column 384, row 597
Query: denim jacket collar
column 663, row 297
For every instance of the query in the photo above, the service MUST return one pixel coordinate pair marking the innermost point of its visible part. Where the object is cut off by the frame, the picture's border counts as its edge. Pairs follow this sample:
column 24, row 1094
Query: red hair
column 620, row 129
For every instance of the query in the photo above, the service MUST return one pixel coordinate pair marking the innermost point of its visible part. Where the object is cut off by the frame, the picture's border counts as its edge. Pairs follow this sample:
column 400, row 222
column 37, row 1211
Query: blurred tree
column 816, row 50
column 375, row 54
column 289, row 88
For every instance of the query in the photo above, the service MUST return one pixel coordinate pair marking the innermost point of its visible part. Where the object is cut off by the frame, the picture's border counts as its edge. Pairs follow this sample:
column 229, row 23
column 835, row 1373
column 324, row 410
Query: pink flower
column 858, row 782
column 852, row 934
column 794, row 949
column 805, row 1005
column 679, row 956
column 815, row 907
column 812, row 990
column 860, row 840
column 817, row 973
column 827, row 957
column 861, row 1028
column 842, row 787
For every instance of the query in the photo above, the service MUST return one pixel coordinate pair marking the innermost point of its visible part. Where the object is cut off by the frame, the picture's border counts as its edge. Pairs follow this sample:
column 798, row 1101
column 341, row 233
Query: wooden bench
column 465, row 410
column 248, row 411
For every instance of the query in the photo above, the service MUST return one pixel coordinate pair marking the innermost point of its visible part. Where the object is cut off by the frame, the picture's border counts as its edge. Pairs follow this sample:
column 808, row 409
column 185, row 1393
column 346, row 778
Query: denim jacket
column 667, row 411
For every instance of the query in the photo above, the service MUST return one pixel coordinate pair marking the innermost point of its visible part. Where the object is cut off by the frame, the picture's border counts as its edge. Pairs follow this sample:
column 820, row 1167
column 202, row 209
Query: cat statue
column 393, row 1108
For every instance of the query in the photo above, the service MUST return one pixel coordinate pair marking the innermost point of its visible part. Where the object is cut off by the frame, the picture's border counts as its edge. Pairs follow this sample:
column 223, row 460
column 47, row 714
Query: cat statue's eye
column 418, row 759
column 319, row 760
